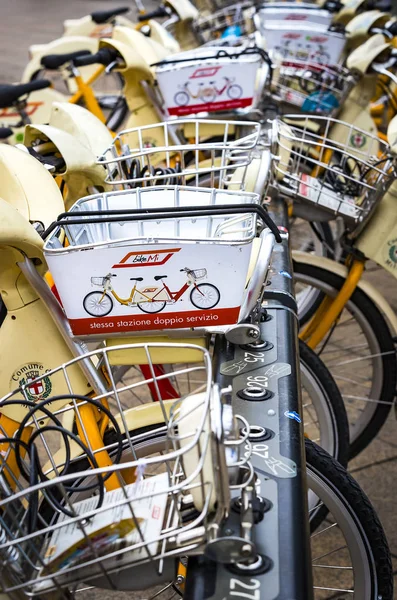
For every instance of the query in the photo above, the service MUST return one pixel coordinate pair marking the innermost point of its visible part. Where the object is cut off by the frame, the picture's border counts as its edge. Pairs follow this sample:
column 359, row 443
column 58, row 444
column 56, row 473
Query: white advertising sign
column 210, row 85
column 304, row 44
column 313, row 190
column 110, row 529
column 294, row 15
column 141, row 287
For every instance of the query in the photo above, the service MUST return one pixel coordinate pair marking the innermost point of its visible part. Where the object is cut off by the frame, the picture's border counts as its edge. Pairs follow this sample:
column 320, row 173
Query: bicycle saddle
column 54, row 61
column 5, row 132
column 158, row 277
column 11, row 93
column 102, row 16
column 136, row 278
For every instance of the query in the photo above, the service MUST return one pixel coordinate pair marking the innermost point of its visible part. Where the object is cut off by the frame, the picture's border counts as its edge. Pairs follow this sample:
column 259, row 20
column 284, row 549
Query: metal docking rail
column 266, row 391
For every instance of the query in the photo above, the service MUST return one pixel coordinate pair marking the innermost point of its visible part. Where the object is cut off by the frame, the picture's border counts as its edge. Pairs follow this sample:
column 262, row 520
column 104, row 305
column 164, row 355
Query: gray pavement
column 26, row 22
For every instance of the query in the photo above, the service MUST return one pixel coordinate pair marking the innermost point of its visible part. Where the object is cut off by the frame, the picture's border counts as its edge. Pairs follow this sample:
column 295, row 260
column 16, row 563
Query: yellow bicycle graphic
column 151, row 299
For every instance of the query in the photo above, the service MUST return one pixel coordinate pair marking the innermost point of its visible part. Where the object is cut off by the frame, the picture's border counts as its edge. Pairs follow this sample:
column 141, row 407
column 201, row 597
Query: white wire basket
column 231, row 21
column 184, row 151
column 332, row 165
column 212, row 80
column 149, row 247
column 313, row 88
column 109, row 490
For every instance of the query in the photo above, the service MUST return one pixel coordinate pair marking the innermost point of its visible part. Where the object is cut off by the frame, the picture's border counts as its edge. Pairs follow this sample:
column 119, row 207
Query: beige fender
column 159, row 34
column 341, row 270
column 60, row 46
column 27, row 321
column 79, row 138
column 82, row 125
column 28, row 186
column 86, row 26
column 349, row 11
column 150, row 50
column 184, row 9
column 362, row 57
column 361, row 24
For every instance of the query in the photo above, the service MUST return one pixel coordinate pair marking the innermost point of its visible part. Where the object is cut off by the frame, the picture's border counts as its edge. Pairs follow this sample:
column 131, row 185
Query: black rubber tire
column 333, row 397
column 3, row 311
column 118, row 115
column 97, row 294
column 362, row 512
column 354, row 500
column 387, row 348
column 208, row 285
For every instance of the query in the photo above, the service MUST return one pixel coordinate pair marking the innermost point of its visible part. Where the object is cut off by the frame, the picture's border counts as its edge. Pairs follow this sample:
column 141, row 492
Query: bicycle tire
column 342, row 485
column 118, row 115
column 151, row 312
column 183, row 98
column 97, row 294
column 237, row 89
column 360, row 305
column 339, row 486
column 334, row 411
column 207, row 285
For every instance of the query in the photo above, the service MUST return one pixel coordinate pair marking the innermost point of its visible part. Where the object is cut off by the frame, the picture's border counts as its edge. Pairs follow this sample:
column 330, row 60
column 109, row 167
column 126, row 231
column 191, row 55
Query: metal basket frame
column 305, row 145
column 328, row 81
column 210, row 27
column 225, row 155
column 24, row 550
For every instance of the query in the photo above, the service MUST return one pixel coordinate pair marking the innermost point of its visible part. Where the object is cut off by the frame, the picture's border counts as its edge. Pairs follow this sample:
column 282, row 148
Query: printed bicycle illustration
column 208, row 92
column 303, row 53
column 151, row 299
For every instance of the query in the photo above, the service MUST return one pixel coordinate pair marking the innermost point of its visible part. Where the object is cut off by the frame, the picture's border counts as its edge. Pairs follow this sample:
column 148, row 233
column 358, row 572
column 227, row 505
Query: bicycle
column 64, row 483
column 357, row 168
column 151, row 299
column 210, row 93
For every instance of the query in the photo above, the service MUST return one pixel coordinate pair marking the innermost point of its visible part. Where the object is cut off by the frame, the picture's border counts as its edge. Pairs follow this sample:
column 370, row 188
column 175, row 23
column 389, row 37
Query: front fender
column 341, row 270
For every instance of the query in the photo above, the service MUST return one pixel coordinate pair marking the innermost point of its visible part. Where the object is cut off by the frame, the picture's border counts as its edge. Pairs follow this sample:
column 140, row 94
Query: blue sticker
column 292, row 414
column 285, row 274
column 320, row 102
column 232, row 31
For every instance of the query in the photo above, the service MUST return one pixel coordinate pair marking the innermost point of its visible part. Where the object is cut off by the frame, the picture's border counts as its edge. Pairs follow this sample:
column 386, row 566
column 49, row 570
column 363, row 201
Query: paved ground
column 24, row 22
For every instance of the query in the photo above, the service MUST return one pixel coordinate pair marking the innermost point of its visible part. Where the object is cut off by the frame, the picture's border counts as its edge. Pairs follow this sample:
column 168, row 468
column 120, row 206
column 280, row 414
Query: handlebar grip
column 104, row 56
column 154, row 14
column 392, row 28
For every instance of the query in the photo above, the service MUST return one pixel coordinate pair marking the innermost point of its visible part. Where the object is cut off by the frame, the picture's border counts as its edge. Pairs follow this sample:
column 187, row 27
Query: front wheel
column 98, row 304
column 350, row 555
column 235, row 92
column 151, row 307
column 181, row 99
column 359, row 352
column 205, row 296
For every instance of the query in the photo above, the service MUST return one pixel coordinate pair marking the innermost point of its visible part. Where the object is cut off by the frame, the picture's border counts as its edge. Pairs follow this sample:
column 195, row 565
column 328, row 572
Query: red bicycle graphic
column 208, row 92
column 151, row 299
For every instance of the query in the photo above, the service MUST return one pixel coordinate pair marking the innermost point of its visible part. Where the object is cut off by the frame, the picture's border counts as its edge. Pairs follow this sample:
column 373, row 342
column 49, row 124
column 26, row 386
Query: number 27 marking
column 253, row 586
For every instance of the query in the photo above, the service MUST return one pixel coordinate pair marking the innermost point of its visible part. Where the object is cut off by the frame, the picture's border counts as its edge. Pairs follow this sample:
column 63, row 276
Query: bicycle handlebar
column 104, row 56
column 154, row 14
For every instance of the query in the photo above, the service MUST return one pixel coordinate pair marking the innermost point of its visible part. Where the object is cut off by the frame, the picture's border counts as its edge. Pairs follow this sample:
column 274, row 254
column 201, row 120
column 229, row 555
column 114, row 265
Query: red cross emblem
column 36, row 387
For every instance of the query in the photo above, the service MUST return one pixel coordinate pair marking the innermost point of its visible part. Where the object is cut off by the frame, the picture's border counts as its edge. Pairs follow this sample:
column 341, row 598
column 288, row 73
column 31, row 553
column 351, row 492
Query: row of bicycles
column 189, row 352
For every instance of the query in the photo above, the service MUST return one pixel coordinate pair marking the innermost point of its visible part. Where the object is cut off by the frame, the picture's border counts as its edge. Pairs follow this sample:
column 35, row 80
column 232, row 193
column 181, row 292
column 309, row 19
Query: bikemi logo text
column 147, row 258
